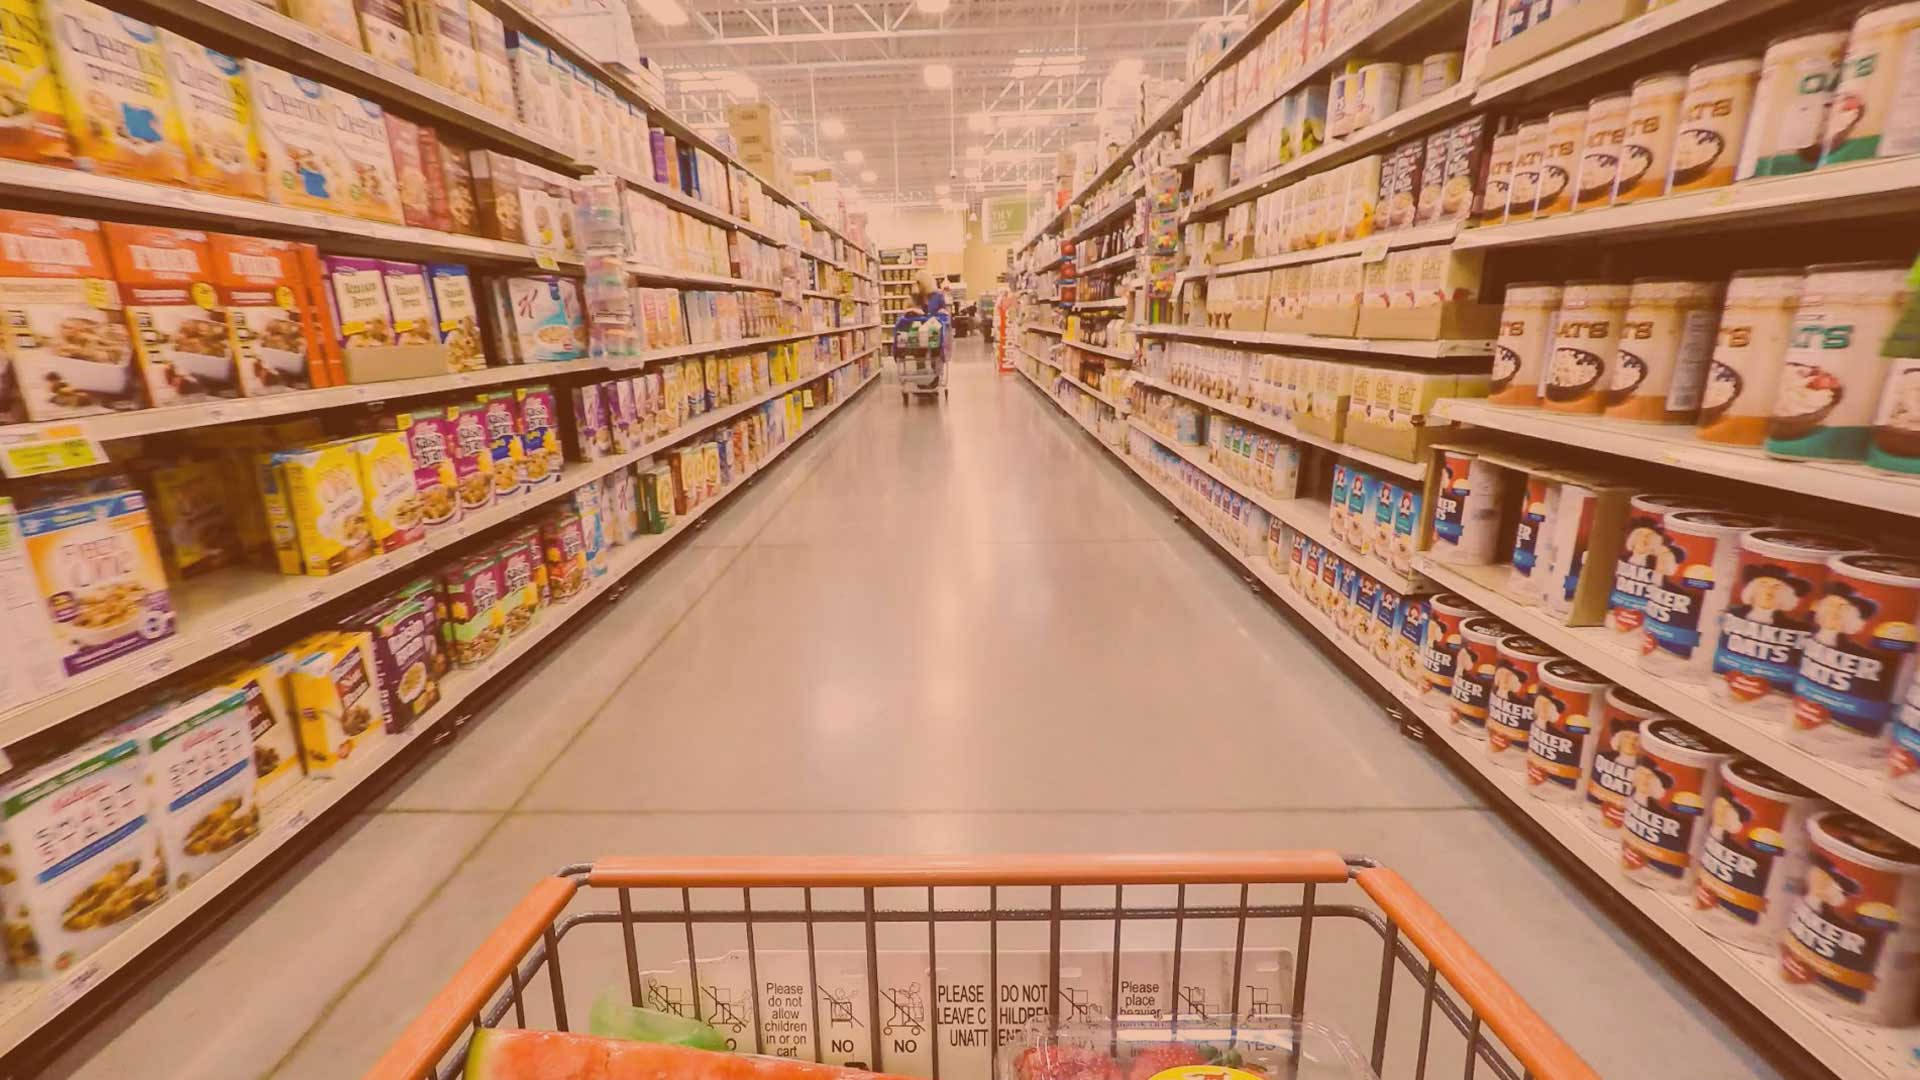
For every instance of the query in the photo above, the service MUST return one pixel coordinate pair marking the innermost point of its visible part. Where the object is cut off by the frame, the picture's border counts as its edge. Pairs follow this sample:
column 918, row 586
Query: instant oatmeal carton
column 294, row 120
column 201, row 786
column 258, row 292
column 166, row 289
column 66, row 347
column 335, row 688
column 210, row 88
column 37, row 129
column 371, row 189
column 121, row 117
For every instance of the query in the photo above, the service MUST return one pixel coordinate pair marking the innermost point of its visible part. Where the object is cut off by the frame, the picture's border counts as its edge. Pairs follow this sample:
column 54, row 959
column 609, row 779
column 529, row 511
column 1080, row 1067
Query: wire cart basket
column 919, row 343
column 1251, row 930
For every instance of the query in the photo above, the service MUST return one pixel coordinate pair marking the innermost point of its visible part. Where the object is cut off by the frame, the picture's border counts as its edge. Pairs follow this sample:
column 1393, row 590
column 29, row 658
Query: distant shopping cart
column 794, row 917
column 919, row 343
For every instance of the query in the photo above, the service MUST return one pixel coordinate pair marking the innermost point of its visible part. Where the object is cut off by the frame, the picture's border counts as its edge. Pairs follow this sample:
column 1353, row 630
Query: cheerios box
column 371, row 188
column 272, row 723
column 293, row 117
column 121, row 118
column 166, row 289
column 98, row 566
column 200, row 781
column 83, row 854
column 210, row 88
column 37, row 130
column 66, row 344
column 336, row 691
column 258, row 287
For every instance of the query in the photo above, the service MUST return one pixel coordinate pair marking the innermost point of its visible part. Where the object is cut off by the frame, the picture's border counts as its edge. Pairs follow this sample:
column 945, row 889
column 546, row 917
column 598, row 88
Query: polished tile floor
column 952, row 628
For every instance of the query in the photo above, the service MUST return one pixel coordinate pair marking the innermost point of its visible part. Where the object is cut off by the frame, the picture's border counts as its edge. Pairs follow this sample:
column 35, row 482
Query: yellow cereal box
column 294, row 119
column 33, row 128
column 113, row 81
column 335, row 691
column 333, row 18
column 270, row 482
column 210, row 89
column 271, row 714
column 327, row 505
column 386, row 479
column 372, row 187
column 443, row 44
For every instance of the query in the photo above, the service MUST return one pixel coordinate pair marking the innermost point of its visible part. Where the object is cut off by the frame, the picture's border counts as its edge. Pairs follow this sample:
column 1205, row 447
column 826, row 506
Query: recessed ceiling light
column 868, row 176
column 933, row 7
column 943, row 190
column 665, row 12
column 855, row 156
column 938, row 76
column 832, row 128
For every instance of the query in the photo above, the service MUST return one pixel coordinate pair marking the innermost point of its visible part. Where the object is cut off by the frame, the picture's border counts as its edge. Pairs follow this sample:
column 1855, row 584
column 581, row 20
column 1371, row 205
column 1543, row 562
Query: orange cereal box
column 66, row 345
column 113, row 79
column 166, row 289
column 258, row 286
column 328, row 366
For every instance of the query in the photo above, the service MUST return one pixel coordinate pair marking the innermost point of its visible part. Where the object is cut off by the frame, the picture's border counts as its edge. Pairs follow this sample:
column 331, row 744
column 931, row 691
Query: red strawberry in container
column 1149, row 1061
column 1064, row 1063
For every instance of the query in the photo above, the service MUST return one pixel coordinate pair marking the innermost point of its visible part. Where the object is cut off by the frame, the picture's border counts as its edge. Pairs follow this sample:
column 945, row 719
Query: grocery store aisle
column 953, row 628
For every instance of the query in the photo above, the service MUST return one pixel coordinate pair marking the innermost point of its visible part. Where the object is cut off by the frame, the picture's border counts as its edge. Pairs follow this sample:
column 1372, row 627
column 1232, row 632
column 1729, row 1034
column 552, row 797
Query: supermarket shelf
column 703, row 348
column 28, row 1006
column 1100, row 220
column 1112, row 303
column 124, row 425
column 1431, row 350
column 695, row 278
column 1054, row 330
column 1868, row 189
column 1451, row 103
column 1371, row 249
column 701, row 210
column 1853, row 1052
column 1099, row 350
column 227, row 607
column 110, row 196
column 1125, row 258
column 1310, row 516
column 1412, row 470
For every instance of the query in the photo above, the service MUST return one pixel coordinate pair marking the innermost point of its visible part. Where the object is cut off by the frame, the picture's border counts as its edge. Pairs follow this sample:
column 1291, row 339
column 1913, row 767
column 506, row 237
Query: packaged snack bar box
column 166, row 289
column 258, row 289
column 67, row 348
column 210, row 88
column 121, row 117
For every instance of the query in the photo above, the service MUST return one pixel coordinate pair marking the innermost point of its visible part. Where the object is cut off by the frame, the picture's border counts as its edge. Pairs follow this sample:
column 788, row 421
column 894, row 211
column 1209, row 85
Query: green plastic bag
column 613, row 1018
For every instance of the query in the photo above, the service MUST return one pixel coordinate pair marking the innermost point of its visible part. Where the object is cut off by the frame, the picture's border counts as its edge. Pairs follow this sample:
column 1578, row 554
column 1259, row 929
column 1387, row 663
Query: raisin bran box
column 260, row 291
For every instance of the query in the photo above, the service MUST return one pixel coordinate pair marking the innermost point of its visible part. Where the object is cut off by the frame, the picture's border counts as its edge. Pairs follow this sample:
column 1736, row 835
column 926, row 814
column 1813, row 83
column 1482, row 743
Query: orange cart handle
column 1531, row 1039
column 762, row 872
column 419, row 1049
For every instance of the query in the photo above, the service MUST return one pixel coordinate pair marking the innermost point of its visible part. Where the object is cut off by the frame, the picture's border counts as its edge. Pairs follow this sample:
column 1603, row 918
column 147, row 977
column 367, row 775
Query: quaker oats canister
column 1857, row 659
column 1756, row 330
column 1441, row 643
column 1410, row 637
column 1559, row 161
column 1561, row 743
column 1768, row 617
column 1675, row 781
column 1473, row 668
column 1600, row 147
column 1516, row 683
column 1683, row 606
column 1529, row 149
column 1829, row 388
column 1666, row 341
column 1529, row 569
column 1653, row 117
column 1526, row 337
column 1753, row 866
column 1797, row 78
column 1616, row 754
column 1852, row 946
column 1712, row 120
column 1466, row 512
column 1586, row 335
column 1646, row 555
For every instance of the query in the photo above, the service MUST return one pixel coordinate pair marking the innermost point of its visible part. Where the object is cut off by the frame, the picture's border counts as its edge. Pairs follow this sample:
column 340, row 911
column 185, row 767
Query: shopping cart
column 786, row 916
column 918, row 344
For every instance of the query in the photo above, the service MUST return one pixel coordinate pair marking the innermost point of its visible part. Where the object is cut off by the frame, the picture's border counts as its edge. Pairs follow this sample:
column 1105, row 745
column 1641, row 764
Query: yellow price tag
column 50, row 454
column 545, row 260
column 1374, row 250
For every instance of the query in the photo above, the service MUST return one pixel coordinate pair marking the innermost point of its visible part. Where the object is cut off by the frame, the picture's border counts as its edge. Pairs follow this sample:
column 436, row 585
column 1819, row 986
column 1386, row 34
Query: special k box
column 66, row 345
column 166, row 288
column 258, row 287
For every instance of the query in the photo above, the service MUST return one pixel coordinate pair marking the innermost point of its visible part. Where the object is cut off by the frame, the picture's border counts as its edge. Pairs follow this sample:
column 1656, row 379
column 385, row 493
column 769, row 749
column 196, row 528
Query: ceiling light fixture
column 832, row 128
column 665, row 12
column 933, row 7
column 937, row 76
column 868, row 176
column 855, row 156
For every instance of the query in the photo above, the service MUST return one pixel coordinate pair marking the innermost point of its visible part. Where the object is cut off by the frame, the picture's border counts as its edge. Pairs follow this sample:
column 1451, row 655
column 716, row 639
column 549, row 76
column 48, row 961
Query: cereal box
column 383, row 28
column 455, row 170
column 36, row 129
column 410, row 302
column 458, row 314
column 30, row 664
column 166, row 289
column 334, row 688
column 472, row 591
column 591, row 439
column 257, row 286
column 210, row 89
column 273, row 723
column 83, row 855
column 539, row 423
column 98, row 567
column 270, row 486
column 443, row 45
column 371, row 190
column 324, row 361
column 495, row 68
column 656, row 498
column 532, row 79
column 410, row 173
column 471, row 453
column 194, row 522
column 565, row 550
column 502, row 418
column 294, row 120
column 403, row 634
column 67, row 348
column 120, row 116
column 200, row 780
column 358, row 292
column 327, row 504
column 425, row 590
column 566, row 114
column 428, row 434
column 537, row 316
column 394, row 516
column 521, row 568
column 610, row 409
column 333, row 18
column 496, row 186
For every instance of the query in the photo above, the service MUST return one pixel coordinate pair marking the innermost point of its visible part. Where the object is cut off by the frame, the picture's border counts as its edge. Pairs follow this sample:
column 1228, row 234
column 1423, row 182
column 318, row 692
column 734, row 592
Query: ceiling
column 1033, row 67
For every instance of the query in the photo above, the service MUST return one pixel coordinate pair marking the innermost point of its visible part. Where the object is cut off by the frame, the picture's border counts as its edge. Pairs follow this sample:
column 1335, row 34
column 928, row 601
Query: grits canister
column 1706, row 150
column 1647, row 554
column 1561, row 743
column 1616, row 754
column 1753, row 866
column 1467, row 509
column 1857, row 660
column 1586, row 335
column 1653, row 118
column 1516, row 683
column 1829, row 388
column 1876, row 110
column 1473, row 670
column 1600, row 147
column 1682, row 613
column 1410, row 642
column 1677, row 778
column 1526, row 336
column 1768, row 617
column 1531, row 565
column 1756, row 330
column 1493, row 195
column 1666, row 342
column 1797, row 79
column 1559, row 161
column 1440, row 645
column 1529, row 150
column 1852, row 946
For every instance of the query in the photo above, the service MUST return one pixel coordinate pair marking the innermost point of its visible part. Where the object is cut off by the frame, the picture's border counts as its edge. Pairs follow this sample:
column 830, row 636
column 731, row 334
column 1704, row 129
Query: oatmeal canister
column 1526, row 336
column 1530, row 566
column 1516, row 682
column 1874, row 114
column 1829, row 386
column 1616, row 754
column 1466, row 513
column 1683, row 605
column 1586, row 335
column 1559, row 160
column 1561, row 743
column 1493, row 196
column 1666, row 341
column 1529, row 149
column 1852, row 946
column 1474, row 664
column 1756, row 329
column 1674, row 783
column 1712, row 120
column 1769, row 615
column 1646, row 556
column 1753, row 866
column 1857, row 658
column 1409, row 644
column 1600, row 147
column 1797, row 79
column 1653, row 116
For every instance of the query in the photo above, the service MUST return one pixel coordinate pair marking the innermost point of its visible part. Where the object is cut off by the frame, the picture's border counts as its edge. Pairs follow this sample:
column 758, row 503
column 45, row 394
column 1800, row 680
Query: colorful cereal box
column 475, row 622
column 99, row 571
column 456, row 177
column 410, row 173
column 443, row 45
column 497, row 411
column 494, row 69
column 37, row 130
column 371, row 190
column 521, row 570
column 294, row 119
column 199, row 766
column 273, row 723
column 388, row 483
column 210, row 89
column 195, row 518
column 358, row 291
column 333, row 18
column 383, row 27
column 258, row 286
column 410, row 302
column 335, row 689
column 327, row 505
column 166, row 289
column 67, row 348
column 120, row 116
column 402, row 633
column 565, row 549
column 428, row 434
column 471, row 452
column 539, row 423
column 458, row 313
column 325, row 362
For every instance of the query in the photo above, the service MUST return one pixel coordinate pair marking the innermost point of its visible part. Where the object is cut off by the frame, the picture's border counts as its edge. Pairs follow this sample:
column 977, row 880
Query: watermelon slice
column 509, row 1054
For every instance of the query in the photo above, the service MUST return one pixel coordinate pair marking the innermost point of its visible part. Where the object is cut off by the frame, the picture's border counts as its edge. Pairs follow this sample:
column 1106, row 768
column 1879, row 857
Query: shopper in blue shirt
column 929, row 303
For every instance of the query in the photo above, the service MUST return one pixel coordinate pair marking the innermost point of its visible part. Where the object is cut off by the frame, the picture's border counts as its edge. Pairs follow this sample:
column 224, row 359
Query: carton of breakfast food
column 293, row 117
column 272, row 723
column 326, row 504
column 200, row 780
column 166, row 289
column 210, row 89
column 113, row 78
column 36, row 129
column 67, row 349
column 258, row 290
column 336, row 690
column 100, row 574
column 383, row 29
column 457, row 311
column 388, row 483
column 370, row 188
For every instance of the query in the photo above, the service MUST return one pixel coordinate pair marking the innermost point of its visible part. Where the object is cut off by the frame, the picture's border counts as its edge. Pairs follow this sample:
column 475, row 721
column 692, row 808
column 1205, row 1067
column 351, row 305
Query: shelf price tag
column 58, row 450
column 544, row 259
column 1374, row 250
